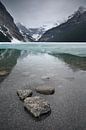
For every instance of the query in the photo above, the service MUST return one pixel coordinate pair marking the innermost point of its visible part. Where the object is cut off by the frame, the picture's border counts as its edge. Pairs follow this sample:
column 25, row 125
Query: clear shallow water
column 26, row 68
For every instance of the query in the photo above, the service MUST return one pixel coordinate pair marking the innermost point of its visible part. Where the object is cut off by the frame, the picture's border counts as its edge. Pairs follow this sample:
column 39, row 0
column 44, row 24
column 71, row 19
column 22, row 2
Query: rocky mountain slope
column 73, row 30
column 34, row 33
column 25, row 32
column 8, row 28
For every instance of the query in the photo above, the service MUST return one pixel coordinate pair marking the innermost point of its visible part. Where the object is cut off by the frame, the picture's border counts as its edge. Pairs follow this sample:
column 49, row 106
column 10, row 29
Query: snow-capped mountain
column 9, row 32
column 74, row 29
column 38, row 32
column 25, row 32
column 34, row 33
column 7, row 26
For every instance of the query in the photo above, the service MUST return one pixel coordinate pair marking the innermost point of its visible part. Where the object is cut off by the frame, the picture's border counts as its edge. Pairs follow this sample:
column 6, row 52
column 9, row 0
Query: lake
column 26, row 65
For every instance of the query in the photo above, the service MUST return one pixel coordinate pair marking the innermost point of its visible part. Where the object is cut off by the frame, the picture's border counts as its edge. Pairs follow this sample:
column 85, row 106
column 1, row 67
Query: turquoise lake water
column 76, row 49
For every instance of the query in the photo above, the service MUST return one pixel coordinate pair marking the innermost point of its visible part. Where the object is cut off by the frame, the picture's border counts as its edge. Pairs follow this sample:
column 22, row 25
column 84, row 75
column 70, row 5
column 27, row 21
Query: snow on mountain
column 80, row 11
column 72, row 30
column 35, row 33
column 14, row 40
column 25, row 32
column 8, row 29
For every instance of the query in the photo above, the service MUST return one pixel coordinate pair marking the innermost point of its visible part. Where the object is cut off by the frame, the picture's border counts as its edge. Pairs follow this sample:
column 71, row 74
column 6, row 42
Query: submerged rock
column 37, row 106
column 24, row 93
column 45, row 90
column 3, row 73
column 45, row 78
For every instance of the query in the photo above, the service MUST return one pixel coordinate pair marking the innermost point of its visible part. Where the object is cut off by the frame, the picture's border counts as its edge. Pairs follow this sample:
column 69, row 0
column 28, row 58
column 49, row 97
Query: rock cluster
column 36, row 105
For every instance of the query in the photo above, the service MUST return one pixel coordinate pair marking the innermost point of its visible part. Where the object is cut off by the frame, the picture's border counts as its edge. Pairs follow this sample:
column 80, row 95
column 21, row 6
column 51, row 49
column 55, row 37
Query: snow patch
column 14, row 40
column 36, row 36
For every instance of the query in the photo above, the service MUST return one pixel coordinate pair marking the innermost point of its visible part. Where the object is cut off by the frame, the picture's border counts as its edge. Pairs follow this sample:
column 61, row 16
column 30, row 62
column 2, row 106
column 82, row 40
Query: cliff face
column 7, row 21
column 4, row 38
column 73, row 30
column 25, row 32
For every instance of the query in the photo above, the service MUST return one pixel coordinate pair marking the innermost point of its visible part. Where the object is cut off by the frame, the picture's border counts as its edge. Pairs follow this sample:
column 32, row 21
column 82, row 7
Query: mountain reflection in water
column 74, row 62
column 8, row 59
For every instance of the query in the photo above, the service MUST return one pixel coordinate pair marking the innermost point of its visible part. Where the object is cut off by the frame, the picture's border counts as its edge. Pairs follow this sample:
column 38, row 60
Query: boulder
column 37, row 106
column 3, row 73
column 45, row 90
column 24, row 93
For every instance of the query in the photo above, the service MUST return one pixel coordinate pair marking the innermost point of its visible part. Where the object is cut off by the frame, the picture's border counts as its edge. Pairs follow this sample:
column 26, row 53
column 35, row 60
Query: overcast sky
column 35, row 13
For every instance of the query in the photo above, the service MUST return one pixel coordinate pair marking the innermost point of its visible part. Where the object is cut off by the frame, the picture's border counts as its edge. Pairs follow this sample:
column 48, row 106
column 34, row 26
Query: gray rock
column 24, row 93
column 37, row 106
column 45, row 78
column 3, row 73
column 45, row 90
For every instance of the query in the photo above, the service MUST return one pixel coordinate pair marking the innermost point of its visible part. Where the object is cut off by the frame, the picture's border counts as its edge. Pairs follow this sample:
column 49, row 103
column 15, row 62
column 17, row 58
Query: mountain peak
column 81, row 9
column 74, row 29
column 77, row 13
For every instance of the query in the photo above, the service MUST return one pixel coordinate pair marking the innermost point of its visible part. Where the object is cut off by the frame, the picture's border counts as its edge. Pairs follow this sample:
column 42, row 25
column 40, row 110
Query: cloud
column 33, row 13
